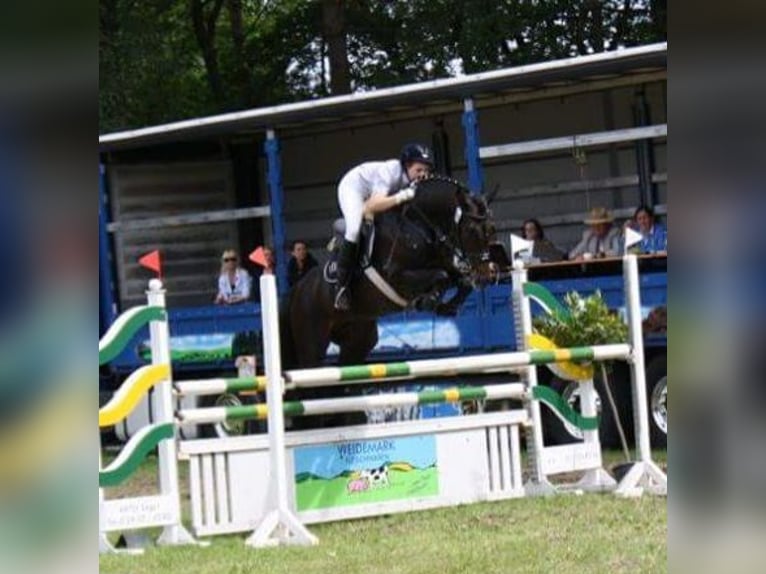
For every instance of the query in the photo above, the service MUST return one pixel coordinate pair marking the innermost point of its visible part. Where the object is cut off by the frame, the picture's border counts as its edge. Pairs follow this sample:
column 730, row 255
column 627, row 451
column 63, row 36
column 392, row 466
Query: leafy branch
column 590, row 322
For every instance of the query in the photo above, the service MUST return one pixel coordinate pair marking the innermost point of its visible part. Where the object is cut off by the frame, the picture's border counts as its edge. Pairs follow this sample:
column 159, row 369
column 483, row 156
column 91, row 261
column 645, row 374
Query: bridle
column 452, row 243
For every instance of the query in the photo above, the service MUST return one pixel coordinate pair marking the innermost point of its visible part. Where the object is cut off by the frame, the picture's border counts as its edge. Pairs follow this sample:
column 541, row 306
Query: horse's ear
column 490, row 197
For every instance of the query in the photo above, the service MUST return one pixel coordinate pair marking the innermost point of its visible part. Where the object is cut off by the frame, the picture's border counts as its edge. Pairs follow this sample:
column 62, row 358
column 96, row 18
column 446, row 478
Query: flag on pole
column 520, row 244
column 258, row 257
column 631, row 238
column 152, row 261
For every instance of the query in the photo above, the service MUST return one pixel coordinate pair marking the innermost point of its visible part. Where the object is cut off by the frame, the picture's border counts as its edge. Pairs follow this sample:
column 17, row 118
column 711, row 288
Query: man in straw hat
column 601, row 239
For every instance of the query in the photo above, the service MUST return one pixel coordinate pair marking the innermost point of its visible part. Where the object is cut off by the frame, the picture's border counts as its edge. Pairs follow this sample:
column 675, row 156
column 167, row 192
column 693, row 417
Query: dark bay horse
column 436, row 242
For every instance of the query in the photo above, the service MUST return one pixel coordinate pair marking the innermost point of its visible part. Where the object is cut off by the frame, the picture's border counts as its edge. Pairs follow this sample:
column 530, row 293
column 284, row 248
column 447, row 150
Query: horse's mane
column 439, row 195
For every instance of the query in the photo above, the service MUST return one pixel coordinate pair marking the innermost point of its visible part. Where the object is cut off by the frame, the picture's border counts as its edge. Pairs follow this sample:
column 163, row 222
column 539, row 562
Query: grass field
column 588, row 533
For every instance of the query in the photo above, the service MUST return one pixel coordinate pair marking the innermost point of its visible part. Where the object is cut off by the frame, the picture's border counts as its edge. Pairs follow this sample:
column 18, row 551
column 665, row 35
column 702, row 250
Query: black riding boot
column 346, row 264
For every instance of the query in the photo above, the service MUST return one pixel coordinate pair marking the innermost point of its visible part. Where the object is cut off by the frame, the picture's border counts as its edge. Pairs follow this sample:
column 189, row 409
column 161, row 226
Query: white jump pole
column 538, row 484
column 174, row 534
column 644, row 474
column 280, row 525
column 594, row 479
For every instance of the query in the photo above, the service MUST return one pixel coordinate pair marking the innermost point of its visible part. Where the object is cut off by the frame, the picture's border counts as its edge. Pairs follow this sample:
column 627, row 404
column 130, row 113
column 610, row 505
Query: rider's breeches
column 352, row 205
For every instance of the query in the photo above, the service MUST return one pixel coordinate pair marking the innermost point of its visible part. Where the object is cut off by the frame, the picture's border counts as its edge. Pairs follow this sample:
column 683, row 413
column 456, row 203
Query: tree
column 173, row 59
column 334, row 32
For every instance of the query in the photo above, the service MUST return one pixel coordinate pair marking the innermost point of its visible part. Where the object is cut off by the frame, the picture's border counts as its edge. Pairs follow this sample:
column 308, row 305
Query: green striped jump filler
column 563, row 409
column 133, row 454
column 546, row 299
column 124, row 328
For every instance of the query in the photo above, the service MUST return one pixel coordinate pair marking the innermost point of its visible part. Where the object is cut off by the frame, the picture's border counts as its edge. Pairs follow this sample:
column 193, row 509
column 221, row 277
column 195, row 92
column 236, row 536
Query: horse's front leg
column 429, row 286
column 449, row 308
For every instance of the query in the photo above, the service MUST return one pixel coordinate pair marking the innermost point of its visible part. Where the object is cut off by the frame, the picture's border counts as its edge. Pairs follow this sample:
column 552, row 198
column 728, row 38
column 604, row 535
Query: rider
column 373, row 187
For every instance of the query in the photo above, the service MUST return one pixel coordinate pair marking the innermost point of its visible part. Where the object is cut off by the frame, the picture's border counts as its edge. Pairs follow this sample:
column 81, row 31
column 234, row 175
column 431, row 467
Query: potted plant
column 585, row 322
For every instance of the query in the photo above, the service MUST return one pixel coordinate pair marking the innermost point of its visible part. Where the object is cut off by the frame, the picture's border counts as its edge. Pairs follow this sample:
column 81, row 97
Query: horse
column 412, row 256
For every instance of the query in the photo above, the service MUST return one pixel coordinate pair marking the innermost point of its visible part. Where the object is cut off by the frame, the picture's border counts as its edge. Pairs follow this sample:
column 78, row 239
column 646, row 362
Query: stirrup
column 342, row 302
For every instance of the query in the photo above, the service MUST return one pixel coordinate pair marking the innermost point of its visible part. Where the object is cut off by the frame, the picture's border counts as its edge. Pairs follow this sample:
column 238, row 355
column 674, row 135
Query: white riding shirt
column 362, row 182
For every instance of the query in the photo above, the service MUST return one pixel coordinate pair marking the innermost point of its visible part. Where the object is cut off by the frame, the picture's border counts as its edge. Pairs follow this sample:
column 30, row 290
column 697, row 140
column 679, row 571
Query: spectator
column 543, row 249
column 300, row 262
column 601, row 239
column 234, row 282
column 655, row 236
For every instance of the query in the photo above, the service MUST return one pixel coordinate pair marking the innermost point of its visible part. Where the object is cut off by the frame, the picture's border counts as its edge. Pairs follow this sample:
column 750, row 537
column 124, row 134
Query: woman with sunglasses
column 234, row 282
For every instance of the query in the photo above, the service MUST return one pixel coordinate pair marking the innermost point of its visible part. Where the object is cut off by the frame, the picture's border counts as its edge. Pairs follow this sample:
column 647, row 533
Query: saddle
column 366, row 242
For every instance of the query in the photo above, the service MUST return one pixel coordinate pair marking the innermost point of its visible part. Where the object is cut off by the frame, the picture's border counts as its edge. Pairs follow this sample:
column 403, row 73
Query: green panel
column 562, row 408
column 146, row 445
column 545, row 298
column 129, row 329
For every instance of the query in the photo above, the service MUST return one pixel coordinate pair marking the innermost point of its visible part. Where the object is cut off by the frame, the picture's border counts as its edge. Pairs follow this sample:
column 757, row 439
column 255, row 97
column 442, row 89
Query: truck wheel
column 557, row 432
column 657, row 395
column 227, row 428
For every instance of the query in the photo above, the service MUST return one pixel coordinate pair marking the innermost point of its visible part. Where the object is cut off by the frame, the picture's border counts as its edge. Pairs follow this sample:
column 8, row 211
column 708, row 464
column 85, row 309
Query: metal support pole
column 107, row 307
column 471, row 130
column 644, row 152
column 271, row 147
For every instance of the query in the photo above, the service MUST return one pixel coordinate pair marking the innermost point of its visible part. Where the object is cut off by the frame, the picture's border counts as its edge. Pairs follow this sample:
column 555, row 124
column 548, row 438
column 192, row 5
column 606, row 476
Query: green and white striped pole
column 220, row 386
column 353, row 404
column 452, row 366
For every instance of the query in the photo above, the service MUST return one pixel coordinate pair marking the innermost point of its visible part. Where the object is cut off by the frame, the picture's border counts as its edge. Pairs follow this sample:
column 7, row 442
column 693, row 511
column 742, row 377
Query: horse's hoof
column 446, row 310
column 427, row 303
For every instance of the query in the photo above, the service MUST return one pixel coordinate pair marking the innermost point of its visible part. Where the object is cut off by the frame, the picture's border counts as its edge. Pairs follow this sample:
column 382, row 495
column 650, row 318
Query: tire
column 556, row 432
column 228, row 429
column 657, row 397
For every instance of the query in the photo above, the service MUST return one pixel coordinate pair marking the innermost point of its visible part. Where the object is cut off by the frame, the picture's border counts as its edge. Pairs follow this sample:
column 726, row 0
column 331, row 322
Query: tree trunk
column 659, row 14
column 334, row 31
column 241, row 61
column 204, row 31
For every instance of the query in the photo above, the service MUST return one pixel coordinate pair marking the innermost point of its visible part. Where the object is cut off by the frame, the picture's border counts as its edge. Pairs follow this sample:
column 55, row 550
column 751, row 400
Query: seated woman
column 601, row 239
column 543, row 249
column 234, row 282
column 655, row 236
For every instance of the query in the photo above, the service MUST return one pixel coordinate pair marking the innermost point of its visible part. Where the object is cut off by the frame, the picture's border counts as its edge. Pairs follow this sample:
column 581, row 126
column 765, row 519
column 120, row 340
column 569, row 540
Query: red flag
column 258, row 257
column 152, row 261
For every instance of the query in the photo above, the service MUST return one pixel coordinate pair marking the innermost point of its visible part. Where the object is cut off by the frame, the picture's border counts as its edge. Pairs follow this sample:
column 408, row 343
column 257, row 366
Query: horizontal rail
column 575, row 141
column 497, row 362
column 221, row 216
column 353, row 404
column 220, row 385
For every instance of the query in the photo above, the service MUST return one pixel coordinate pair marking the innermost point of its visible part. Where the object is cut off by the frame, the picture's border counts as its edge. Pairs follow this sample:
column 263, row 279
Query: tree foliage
column 172, row 59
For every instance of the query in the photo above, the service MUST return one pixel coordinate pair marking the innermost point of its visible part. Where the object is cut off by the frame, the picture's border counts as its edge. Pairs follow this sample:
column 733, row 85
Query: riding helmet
column 417, row 152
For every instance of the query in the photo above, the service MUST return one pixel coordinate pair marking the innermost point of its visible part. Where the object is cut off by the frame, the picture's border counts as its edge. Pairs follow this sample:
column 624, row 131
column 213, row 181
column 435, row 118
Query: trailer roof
column 531, row 77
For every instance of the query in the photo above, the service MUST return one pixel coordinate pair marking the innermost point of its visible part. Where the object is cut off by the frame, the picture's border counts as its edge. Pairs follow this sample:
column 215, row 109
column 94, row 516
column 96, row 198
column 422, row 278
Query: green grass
column 590, row 533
